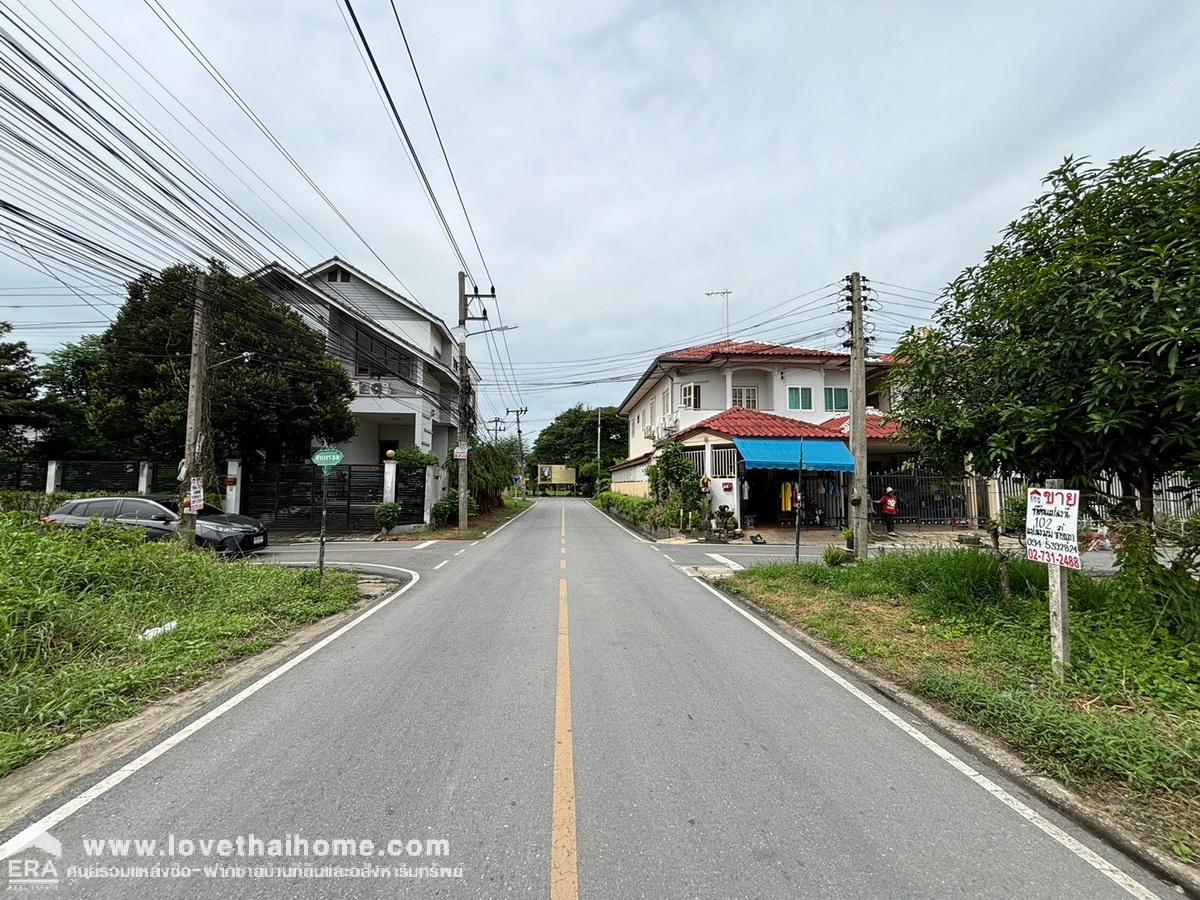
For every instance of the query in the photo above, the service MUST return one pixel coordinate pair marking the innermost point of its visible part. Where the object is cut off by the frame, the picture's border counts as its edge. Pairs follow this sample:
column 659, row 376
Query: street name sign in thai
column 327, row 458
column 1052, row 527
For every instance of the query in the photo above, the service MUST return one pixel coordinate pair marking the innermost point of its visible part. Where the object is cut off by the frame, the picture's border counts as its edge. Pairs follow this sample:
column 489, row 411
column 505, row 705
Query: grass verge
column 74, row 603
column 1123, row 729
column 477, row 526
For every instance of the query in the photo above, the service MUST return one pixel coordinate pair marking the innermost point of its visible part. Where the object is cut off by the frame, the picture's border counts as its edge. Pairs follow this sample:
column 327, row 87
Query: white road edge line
column 424, row 544
column 636, row 537
column 667, row 558
column 725, row 561
column 20, row 840
column 439, row 565
column 510, row 521
column 1085, row 853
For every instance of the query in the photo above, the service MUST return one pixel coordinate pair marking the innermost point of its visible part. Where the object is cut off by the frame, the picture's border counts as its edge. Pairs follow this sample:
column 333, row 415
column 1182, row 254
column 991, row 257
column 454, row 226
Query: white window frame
column 651, row 416
column 666, row 398
column 690, row 396
column 831, row 404
column 803, row 398
column 745, row 392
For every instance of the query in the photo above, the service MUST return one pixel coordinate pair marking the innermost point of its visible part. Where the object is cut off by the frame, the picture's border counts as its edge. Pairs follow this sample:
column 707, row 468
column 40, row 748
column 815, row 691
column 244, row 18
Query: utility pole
column 597, row 441
column 524, row 410
column 466, row 415
column 860, row 500
column 724, row 294
column 498, row 426
column 196, row 443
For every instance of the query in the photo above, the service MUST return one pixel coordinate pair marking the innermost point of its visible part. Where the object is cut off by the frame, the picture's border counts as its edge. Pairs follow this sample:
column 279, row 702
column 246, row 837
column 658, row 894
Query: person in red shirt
column 889, row 506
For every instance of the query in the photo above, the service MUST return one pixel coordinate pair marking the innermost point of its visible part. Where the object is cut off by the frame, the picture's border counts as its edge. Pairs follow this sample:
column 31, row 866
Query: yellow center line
column 562, row 563
column 564, row 865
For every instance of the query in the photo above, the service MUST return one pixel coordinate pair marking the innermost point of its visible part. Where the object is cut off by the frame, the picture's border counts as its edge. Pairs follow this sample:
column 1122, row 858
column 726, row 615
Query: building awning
column 818, row 454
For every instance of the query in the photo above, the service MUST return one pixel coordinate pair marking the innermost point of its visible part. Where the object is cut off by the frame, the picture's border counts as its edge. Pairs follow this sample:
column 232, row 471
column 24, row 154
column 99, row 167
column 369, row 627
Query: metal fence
column 287, row 497
column 22, row 476
column 926, row 498
column 80, row 476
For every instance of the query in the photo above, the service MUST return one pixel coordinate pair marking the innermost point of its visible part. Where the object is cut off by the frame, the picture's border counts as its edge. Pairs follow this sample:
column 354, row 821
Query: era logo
column 35, row 871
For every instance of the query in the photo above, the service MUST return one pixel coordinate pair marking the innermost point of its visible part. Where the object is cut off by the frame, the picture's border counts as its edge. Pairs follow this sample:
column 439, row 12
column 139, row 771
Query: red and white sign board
column 1052, row 527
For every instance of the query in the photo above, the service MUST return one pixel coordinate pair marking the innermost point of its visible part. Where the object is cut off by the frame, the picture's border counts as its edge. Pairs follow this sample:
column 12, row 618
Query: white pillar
column 53, row 476
column 233, row 486
column 431, row 486
column 389, row 481
column 708, row 463
column 728, row 388
column 144, row 471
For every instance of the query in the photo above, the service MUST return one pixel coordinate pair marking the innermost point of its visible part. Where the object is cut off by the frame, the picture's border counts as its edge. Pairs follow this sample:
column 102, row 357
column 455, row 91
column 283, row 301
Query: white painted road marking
column 1095, row 860
column 725, row 561
column 424, row 544
column 638, row 538
column 461, row 552
column 439, row 565
column 20, row 840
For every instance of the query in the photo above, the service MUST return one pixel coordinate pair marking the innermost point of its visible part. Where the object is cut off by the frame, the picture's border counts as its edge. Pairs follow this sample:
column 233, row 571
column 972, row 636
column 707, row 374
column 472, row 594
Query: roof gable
column 878, row 429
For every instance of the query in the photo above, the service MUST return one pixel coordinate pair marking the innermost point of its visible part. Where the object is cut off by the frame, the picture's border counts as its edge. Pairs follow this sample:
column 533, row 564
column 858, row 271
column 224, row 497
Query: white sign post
column 195, row 495
column 1052, row 536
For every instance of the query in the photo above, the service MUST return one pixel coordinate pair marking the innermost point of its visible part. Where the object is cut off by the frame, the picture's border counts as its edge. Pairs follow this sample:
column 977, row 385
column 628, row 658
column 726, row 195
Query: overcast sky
column 621, row 159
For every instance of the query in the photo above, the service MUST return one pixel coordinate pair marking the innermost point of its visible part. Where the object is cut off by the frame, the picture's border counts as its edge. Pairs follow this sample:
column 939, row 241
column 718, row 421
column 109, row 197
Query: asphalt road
column 575, row 716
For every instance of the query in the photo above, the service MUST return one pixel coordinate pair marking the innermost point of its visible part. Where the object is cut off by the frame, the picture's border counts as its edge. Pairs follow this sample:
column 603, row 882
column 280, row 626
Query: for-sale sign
column 1052, row 527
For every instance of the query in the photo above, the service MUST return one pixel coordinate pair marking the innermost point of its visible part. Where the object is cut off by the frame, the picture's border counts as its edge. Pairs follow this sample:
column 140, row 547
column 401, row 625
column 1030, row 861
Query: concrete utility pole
column 465, row 414
column 524, row 410
column 860, row 500
column 195, row 439
column 498, row 426
column 597, row 441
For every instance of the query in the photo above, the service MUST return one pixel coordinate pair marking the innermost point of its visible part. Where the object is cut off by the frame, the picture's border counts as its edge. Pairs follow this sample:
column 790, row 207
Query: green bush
column 445, row 511
column 388, row 515
column 74, row 602
column 1012, row 514
column 635, row 509
column 837, row 556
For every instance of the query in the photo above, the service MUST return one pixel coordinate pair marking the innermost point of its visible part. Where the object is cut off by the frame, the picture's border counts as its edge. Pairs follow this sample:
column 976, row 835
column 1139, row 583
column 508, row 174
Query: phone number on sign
column 1069, row 560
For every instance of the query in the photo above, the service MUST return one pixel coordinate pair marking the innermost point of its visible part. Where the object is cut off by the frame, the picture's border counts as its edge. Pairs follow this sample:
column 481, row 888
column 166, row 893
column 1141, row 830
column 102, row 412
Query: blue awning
column 818, row 454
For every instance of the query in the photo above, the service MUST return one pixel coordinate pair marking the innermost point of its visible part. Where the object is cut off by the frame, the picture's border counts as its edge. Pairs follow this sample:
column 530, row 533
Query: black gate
column 930, row 499
column 410, row 494
column 80, row 476
column 287, row 497
column 22, row 476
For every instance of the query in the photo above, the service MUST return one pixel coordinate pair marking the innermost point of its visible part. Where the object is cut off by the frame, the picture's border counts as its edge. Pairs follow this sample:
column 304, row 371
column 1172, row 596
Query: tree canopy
column 130, row 383
column 19, row 405
column 1073, row 349
column 570, row 440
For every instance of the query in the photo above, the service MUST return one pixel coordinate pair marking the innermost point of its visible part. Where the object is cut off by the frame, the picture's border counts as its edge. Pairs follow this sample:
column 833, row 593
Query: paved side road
column 573, row 716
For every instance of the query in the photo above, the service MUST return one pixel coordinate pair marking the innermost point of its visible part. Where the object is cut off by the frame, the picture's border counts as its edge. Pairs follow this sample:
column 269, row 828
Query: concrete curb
column 1057, row 795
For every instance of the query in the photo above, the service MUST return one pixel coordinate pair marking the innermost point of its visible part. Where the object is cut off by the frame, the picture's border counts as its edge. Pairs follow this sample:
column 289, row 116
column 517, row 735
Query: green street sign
column 327, row 457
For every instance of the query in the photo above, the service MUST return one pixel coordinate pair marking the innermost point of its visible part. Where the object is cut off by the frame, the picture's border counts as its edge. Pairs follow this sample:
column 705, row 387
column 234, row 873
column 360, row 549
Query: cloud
column 620, row 159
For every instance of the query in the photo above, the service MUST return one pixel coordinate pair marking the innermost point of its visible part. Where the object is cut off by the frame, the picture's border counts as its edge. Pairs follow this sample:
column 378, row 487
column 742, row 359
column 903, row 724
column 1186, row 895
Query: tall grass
column 72, row 607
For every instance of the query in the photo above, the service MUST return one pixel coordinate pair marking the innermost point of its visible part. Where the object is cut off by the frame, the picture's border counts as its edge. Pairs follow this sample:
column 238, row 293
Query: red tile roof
column 877, row 428
column 738, row 422
column 706, row 352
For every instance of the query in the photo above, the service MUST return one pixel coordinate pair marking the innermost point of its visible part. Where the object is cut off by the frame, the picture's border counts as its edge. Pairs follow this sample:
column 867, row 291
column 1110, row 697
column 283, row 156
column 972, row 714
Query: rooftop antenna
column 725, row 296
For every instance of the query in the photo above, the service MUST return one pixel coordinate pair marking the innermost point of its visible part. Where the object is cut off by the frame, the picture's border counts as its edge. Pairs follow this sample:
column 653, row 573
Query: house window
column 745, row 397
column 799, row 398
column 336, row 274
column 375, row 358
column 666, row 402
column 691, row 396
column 650, row 418
column 837, row 399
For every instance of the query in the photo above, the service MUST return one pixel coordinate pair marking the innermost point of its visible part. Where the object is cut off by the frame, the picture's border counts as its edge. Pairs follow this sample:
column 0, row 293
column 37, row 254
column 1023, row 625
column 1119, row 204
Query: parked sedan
column 225, row 533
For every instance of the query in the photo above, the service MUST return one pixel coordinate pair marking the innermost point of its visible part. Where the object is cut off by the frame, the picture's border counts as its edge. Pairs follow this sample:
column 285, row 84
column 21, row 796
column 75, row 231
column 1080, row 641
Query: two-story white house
column 399, row 355
column 764, row 422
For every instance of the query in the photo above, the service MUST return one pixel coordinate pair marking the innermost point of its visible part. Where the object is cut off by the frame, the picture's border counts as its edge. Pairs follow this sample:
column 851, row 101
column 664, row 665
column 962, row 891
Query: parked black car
column 225, row 533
